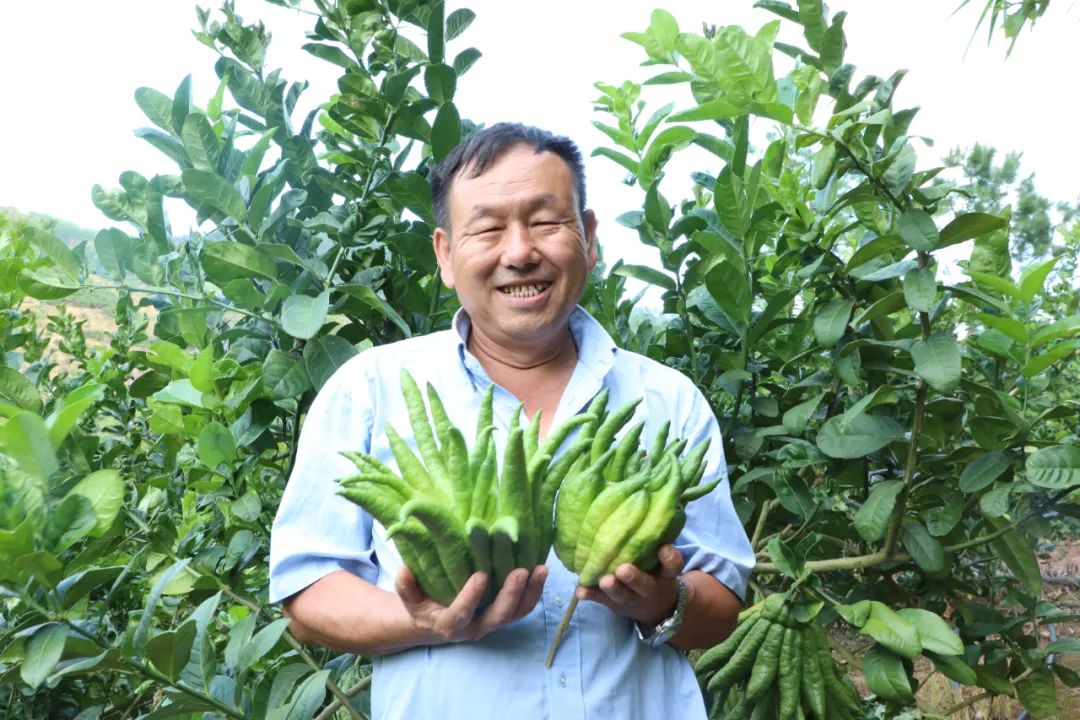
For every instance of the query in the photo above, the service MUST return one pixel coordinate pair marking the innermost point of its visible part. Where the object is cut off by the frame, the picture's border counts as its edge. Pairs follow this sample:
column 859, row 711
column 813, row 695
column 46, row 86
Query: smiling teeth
column 524, row 290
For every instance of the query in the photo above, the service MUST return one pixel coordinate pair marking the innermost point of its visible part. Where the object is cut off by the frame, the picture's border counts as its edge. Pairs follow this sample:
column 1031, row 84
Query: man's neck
column 540, row 356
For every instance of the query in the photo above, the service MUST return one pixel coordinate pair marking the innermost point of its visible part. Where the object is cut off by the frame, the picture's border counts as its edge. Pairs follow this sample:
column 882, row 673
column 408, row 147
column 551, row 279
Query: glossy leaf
column 920, row 289
column 1015, row 550
column 831, row 321
column 105, row 491
column 872, row 519
column 284, row 376
column 646, row 274
column 923, row 547
column 324, row 355
column 937, row 361
column 43, row 651
column 303, row 315
column 935, row 634
column 983, row 470
column 211, row 189
column 170, row 651
column 968, row 226
column 917, row 229
column 216, row 445
column 857, row 437
column 1054, row 468
column 885, row 675
column 225, row 261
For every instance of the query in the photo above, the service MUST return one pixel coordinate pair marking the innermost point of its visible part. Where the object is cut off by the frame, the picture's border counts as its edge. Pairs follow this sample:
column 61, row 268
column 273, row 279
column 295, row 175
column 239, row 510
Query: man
column 516, row 243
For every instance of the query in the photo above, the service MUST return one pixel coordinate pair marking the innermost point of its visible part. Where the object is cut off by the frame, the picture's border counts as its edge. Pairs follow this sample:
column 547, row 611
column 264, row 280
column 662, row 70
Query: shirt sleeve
column 316, row 531
column 713, row 539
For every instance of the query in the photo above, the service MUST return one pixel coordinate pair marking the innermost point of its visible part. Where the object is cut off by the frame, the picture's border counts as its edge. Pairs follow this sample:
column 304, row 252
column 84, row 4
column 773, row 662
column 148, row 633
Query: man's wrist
column 658, row 633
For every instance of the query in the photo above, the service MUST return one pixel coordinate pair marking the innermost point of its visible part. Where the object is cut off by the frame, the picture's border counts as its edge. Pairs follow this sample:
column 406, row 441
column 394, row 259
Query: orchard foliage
column 896, row 439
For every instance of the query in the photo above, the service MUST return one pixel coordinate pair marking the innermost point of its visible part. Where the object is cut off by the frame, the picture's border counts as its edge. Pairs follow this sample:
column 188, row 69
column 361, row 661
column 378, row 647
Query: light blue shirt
column 601, row 670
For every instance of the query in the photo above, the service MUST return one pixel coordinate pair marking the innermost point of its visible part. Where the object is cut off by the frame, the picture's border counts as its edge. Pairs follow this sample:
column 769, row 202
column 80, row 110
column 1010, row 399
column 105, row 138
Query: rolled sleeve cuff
column 733, row 575
column 296, row 574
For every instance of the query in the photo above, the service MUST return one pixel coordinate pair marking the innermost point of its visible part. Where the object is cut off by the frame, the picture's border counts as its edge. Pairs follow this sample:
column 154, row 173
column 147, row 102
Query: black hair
column 473, row 156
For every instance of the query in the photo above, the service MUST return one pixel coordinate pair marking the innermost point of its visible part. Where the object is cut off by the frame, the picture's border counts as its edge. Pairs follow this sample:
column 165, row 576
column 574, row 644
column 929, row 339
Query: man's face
column 517, row 252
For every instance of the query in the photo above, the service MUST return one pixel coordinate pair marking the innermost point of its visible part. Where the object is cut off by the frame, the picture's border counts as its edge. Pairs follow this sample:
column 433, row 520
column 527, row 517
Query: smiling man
column 516, row 242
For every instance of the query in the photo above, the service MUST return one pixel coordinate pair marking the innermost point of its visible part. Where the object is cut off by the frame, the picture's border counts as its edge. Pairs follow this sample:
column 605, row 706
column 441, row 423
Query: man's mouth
column 524, row 291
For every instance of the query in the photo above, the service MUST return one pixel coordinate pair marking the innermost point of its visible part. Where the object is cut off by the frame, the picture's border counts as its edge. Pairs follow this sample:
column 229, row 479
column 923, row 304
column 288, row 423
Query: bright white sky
column 70, row 69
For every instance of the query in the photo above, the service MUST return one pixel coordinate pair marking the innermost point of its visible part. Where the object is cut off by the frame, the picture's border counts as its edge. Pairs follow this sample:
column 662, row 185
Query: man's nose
column 519, row 246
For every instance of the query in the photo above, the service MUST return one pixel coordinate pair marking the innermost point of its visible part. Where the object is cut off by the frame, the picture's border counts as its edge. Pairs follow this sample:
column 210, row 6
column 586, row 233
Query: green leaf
column 646, row 274
column 1013, row 328
column 953, row 668
column 937, row 361
column 216, row 445
column 412, row 191
column 872, row 519
column 284, row 376
column 458, row 22
column 211, row 189
column 18, row 392
column 627, row 162
column 248, row 506
column 113, row 249
column 920, row 289
column 25, row 439
column 170, row 651
column 886, row 677
column 983, row 470
column 60, row 255
column 75, row 587
column 143, row 629
column 202, row 370
column 858, row 436
column 157, row 106
column 324, row 355
column 784, row 558
column 302, row 315
column 445, row 131
column 1017, row 554
column 372, row 300
column 831, row 321
column 996, row 282
column 46, row 284
column 918, row 230
column 69, row 410
column 224, row 261
column 728, row 286
column 1050, row 356
column 935, row 634
column 812, row 18
column 200, row 143
column 892, row 631
column 793, row 493
column 995, row 503
column 968, row 226
column 1054, row 468
column 440, row 80
column 796, row 418
column 262, row 643
column 105, row 491
column 309, row 697
column 855, row 614
column 1038, row 693
column 180, row 392
column 1063, row 646
column 43, row 652
column 1032, row 279
column 1056, row 330
column 924, row 548
column 465, row 60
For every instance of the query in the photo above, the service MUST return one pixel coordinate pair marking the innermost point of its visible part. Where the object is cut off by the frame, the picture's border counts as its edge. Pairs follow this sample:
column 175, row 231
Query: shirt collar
column 596, row 349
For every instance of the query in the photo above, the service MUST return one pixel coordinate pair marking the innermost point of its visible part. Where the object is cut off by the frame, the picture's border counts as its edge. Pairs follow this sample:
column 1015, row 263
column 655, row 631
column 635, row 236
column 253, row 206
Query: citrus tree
column 894, row 441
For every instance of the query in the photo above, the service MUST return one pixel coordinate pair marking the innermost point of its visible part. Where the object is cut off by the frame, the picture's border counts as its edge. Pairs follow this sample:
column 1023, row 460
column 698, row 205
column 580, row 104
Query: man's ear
column 440, row 241
column 588, row 221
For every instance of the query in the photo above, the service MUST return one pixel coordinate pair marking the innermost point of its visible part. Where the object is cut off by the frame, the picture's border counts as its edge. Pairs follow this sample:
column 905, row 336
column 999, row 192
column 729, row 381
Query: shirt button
column 562, row 679
column 558, row 601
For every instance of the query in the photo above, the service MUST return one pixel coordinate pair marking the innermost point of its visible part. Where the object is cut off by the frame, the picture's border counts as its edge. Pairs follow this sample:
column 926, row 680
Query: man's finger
column 635, row 580
column 597, row 595
column 408, row 589
column 671, row 561
column 504, row 605
column 618, row 591
column 533, row 590
column 464, row 606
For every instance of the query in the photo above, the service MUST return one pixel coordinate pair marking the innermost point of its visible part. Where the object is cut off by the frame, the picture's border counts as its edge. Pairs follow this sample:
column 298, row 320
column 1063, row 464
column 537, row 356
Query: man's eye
column 489, row 230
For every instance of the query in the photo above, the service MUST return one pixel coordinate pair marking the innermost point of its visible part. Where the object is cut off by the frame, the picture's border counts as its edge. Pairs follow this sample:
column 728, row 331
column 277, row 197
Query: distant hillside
column 66, row 230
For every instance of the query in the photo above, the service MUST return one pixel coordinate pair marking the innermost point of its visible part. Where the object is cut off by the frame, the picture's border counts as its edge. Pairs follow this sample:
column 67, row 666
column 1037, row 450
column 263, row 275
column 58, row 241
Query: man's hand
column 460, row 621
column 646, row 597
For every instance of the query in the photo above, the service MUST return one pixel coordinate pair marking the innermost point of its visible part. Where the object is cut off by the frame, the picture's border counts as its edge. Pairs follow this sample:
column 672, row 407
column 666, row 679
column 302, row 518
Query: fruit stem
column 561, row 631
